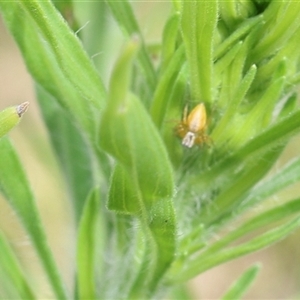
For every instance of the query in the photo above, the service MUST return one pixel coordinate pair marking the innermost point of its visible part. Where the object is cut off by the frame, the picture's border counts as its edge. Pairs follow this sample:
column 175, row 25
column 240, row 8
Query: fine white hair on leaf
column 96, row 54
column 82, row 27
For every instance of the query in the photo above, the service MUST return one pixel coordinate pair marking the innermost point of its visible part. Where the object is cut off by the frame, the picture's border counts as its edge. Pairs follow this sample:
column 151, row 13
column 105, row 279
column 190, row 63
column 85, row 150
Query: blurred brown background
column 280, row 275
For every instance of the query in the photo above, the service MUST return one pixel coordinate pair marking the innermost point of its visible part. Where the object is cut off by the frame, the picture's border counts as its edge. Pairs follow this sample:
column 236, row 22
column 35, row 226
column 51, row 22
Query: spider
column 192, row 127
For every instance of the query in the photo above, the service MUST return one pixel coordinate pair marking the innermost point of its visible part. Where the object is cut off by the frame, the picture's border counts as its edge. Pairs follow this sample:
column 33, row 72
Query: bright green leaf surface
column 287, row 22
column 56, row 59
column 224, row 62
column 232, row 107
column 198, row 23
column 128, row 134
column 242, row 30
column 271, row 137
column 124, row 15
column 200, row 264
column 11, row 270
column 162, row 94
column 86, row 248
column 67, row 50
column 239, row 57
column 238, row 289
column 72, row 150
column 170, row 37
column 228, row 199
column 66, row 8
column 14, row 185
column 260, row 221
column 260, row 115
column 10, row 117
column 288, row 175
column 122, row 195
column 138, row 148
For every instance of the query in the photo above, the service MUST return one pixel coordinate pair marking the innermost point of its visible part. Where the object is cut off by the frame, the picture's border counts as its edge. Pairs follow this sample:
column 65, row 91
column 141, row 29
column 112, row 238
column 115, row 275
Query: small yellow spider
column 192, row 127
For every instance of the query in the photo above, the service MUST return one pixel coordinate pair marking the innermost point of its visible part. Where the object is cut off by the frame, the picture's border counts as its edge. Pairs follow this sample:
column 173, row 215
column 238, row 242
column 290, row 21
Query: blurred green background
column 280, row 275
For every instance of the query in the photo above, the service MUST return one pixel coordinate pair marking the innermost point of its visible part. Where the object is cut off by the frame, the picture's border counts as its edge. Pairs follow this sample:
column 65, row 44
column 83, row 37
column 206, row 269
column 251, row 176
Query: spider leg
column 185, row 114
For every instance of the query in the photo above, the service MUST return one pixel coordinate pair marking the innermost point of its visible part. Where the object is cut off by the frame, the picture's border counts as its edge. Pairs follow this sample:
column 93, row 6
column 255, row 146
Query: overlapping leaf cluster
column 147, row 209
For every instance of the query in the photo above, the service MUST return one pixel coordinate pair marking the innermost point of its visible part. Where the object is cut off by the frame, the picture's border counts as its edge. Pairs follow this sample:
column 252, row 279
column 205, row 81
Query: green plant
column 155, row 204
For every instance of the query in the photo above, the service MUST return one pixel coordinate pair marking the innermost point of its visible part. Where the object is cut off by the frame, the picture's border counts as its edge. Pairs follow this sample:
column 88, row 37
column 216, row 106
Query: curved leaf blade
column 56, row 60
column 128, row 134
column 199, row 264
column 10, row 117
column 19, row 195
column 242, row 284
column 198, row 23
column 86, row 248
column 124, row 15
column 12, row 272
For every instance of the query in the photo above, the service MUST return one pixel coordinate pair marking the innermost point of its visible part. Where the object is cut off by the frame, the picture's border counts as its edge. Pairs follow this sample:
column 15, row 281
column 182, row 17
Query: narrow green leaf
column 177, row 5
column 289, row 106
column 260, row 116
column 66, row 8
column 124, row 15
column 123, row 197
column 56, row 59
column 18, row 193
column 286, row 176
column 218, row 133
column 228, row 12
column 161, row 96
column 260, row 221
column 288, row 53
column 173, row 115
column 10, row 117
column 295, row 79
column 222, row 64
column 86, row 251
column 241, row 31
column 170, row 37
column 242, row 284
column 273, row 215
column 138, row 148
column 283, row 26
column 13, row 272
column 198, row 264
column 232, row 76
column 128, row 134
column 198, row 24
column 181, row 292
column 127, row 241
column 96, row 41
column 68, row 51
column 230, row 197
column 73, row 152
column 146, row 161
column 273, row 136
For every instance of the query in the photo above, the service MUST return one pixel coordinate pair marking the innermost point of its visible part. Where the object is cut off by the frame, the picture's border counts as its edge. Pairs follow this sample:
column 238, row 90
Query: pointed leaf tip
column 22, row 108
